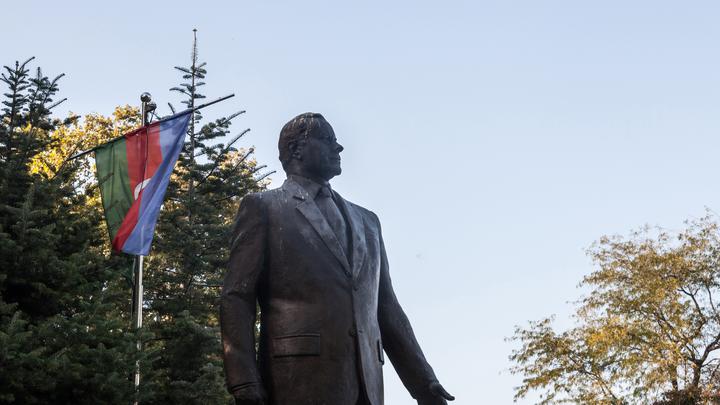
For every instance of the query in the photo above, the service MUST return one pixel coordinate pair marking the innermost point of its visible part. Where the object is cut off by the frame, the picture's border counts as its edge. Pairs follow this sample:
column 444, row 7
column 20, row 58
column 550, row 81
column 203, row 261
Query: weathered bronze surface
column 316, row 265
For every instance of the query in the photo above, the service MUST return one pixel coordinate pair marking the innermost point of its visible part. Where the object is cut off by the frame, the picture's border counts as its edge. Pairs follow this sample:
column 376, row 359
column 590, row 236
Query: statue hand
column 250, row 395
column 436, row 396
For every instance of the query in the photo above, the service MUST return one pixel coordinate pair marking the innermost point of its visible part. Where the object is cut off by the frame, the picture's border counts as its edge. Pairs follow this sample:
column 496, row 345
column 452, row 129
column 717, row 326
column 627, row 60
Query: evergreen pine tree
column 184, row 271
column 64, row 334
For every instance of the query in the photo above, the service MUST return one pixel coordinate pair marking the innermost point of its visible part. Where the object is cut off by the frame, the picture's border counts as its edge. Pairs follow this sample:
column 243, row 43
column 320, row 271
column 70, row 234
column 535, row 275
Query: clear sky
column 495, row 140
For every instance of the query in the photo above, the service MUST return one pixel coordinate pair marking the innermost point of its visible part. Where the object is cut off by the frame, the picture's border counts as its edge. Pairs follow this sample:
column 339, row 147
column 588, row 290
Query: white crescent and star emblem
column 140, row 187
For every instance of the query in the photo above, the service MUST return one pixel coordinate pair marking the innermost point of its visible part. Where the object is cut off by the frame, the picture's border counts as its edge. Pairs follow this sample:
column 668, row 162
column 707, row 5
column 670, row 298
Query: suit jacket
column 325, row 316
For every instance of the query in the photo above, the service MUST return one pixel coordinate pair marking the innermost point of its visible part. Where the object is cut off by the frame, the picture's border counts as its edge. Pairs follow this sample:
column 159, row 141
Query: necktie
column 334, row 217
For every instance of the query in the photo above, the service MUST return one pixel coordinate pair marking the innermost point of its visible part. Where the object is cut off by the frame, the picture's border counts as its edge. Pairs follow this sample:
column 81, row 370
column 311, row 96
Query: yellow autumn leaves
column 91, row 131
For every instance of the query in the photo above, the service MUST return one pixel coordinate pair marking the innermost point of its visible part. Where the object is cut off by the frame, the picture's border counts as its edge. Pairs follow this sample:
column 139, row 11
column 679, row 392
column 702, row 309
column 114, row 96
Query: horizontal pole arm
column 189, row 110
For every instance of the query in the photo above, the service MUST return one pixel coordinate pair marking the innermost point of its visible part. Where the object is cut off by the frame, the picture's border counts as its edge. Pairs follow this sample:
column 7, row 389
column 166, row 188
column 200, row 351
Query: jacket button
column 356, row 287
column 352, row 332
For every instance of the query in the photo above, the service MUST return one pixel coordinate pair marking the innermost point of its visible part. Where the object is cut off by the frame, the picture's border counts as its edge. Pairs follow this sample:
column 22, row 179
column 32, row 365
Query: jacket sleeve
column 239, row 292
column 398, row 338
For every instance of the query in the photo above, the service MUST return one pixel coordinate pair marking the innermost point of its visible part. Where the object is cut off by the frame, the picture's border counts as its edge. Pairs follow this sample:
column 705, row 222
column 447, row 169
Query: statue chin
column 336, row 169
column 332, row 172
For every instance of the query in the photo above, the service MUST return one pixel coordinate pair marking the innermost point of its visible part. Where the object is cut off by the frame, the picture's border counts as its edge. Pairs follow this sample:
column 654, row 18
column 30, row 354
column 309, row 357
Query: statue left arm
column 238, row 301
column 401, row 345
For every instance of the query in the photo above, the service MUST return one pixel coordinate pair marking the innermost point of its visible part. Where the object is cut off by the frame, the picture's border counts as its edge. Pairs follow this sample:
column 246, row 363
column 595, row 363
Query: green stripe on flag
column 112, row 172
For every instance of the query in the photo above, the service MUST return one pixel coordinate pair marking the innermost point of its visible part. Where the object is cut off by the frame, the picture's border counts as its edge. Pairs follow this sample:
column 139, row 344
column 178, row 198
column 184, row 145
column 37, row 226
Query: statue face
column 321, row 153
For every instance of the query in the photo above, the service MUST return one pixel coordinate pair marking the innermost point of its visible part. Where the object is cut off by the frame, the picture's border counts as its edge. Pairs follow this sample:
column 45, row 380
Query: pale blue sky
column 495, row 140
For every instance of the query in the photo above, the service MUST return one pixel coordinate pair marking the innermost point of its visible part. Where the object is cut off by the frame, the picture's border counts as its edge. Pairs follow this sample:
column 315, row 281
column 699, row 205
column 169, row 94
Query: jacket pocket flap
column 307, row 344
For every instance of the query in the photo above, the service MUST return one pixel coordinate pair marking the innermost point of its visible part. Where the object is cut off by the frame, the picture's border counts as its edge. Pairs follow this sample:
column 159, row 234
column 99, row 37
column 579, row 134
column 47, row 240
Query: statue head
column 308, row 148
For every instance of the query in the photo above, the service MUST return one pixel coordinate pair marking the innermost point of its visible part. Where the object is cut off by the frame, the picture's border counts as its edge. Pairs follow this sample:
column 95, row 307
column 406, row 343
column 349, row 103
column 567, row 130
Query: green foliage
column 647, row 333
column 63, row 331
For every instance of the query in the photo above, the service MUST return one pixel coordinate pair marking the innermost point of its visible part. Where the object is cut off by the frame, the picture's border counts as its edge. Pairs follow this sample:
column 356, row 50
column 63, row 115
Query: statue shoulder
column 257, row 201
column 368, row 215
column 268, row 201
column 255, row 198
column 265, row 196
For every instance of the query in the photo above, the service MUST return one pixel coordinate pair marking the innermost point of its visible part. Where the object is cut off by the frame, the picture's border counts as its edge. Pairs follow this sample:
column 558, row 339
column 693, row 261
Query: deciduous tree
column 648, row 331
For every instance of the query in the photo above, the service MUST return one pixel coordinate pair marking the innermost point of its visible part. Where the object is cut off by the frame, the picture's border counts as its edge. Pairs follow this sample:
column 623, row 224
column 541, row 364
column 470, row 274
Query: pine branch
column 17, row 81
column 218, row 160
column 258, row 179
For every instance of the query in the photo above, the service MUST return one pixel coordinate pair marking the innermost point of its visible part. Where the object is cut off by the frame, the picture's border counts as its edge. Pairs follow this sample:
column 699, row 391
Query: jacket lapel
column 357, row 230
column 311, row 212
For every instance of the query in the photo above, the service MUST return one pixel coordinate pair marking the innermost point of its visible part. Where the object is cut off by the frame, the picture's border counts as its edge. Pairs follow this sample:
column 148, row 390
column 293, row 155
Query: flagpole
column 146, row 106
column 137, row 315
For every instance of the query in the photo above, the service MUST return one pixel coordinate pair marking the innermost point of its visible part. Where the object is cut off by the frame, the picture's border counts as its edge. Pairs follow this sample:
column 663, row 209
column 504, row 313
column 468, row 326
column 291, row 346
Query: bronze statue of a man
column 316, row 265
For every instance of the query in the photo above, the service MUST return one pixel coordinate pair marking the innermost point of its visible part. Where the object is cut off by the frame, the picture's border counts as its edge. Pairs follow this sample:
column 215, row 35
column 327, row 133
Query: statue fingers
column 439, row 391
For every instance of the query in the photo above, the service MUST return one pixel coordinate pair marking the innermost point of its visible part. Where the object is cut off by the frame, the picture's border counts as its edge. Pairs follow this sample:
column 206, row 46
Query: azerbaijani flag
column 134, row 172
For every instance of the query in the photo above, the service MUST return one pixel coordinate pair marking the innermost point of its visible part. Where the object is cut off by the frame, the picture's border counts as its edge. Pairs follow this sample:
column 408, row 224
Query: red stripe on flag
column 155, row 156
column 144, row 155
column 127, row 226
